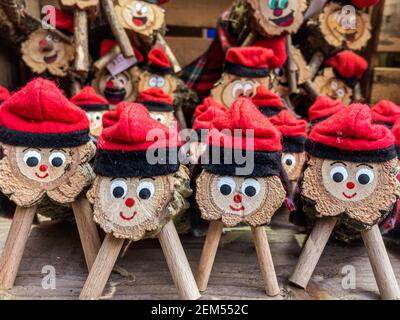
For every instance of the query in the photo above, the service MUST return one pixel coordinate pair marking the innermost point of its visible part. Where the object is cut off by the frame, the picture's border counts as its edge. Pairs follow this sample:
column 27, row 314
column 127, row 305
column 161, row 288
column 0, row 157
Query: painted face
column 293, row 164
column 45, row 51
column 96, row 123
column 349, row 181
column 166, row 118
column 116, row 88
column 43, row 165
column 167, row 83
column 335, row 89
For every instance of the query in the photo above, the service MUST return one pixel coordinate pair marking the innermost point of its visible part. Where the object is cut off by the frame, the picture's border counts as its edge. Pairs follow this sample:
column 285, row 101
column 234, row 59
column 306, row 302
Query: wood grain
column 81, row 42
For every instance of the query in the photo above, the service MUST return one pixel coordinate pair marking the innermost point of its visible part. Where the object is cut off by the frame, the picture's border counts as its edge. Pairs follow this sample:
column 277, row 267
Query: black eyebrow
column 336, row 162
column 118, row 178
column 51, row 150
column 364, row 164
column 31, row 148
column 142, row 178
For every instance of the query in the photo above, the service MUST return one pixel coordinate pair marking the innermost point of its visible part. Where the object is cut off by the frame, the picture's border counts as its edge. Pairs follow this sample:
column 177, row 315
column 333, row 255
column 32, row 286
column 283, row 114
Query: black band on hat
column 132, row 164
column 44, row 140
column 94, row 107
column 293, row 144
column 160, row 70
column 157, row 106
column 398, row 151
column 384, row 123
column 269, row 111
column 327, row 152
column 264, row 164
column 245, row 72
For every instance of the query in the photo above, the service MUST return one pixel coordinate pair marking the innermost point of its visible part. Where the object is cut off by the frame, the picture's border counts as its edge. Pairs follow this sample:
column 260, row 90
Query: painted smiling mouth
column 139, row 21
column 114, row 96
column 349, row 197
column 121, row 214
column 285, row 21
column 235, row 209
column 51, row 59
column 42, row 177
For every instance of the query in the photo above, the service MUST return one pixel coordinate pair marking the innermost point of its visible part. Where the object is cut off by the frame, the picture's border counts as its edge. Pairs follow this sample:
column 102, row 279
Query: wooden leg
column 312, row 251
column 265, row 260
column 381, row 266
column 81, row 42
column 174, row 61
column 208, row 254
column 87, row 230
column 102, row 268
column 291, row 66
column 15, row 245
column 178, row 263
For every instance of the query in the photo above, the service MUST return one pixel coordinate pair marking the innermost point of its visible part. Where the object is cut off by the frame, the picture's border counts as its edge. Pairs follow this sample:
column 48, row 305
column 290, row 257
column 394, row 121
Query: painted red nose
column 109, row 84
column 350, row 185
column 43, row 43
column 237, row 198
column 43, row 168
column 278, row 12
column 129, row 202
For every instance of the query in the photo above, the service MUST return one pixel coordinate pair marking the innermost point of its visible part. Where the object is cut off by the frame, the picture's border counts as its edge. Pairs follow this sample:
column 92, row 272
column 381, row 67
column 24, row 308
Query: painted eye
column 237, row 90
column 57, row 159
column 340, row 93
column 145, row 10
column 250, row 187
column 365, row 176
column 278, row 72
column 138, row 6
column 289, row 160
column 248, row 89
column 160, row 118
column 145, row 190
column 153, row 82
column 118, row 189
column 97, row 116
column 334, row 85
column 32, row 158
column 226, row 185
column 160, row 82
column 283, row 4
column 273, row 4
column 339, row 174
column 49, row 37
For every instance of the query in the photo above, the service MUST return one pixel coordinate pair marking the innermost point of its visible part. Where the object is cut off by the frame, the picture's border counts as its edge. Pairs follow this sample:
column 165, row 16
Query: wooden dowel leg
column 312, row 251
column 81, row 42
column 291, row 66
column 265, row 260
column 208, row 254
column 169, row 53
column 15, row 245
column 87, row 229
column 178, row 263
column 102, row 268
column 381, row 266
column 249, row 40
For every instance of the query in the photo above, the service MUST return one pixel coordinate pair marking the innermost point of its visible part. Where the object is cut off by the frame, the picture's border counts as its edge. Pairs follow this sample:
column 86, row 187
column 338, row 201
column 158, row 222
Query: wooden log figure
column 47, row 149
column 135, row 197
column 44, row 51
column 94, row 105
column 269, row 103
column 343, row 72
column 245, row 69
column 232, row 190
column 350, row 180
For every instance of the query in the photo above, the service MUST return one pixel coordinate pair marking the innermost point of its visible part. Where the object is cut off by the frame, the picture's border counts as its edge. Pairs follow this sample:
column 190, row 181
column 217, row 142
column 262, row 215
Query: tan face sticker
column 139, row 16
column 167, row 83
column 293, row 164
column 275, row 17
column 329, row 85
column 96, row 122
column 239, row 199
column 44, row 51
column 166, row 118
column 336, row 30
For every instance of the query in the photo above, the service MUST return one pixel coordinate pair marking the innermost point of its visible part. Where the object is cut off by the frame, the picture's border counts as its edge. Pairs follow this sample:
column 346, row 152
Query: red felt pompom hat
column 385, row 112
column 107, row 44
column 155, row 99
column 350, row 135
column 111, row 117
column 293, row 130
column 207, row 103
column 64, row 21
column 243, row 131
column 40, row 116
column 136, row 146
column 159, row 62
column 348, row 65
column 89, row 100
column 4, row 94
column 278, row 47
column 323, row 108
column 364, row 3
column 205, row 119
column 269, row 103
column 249, row 62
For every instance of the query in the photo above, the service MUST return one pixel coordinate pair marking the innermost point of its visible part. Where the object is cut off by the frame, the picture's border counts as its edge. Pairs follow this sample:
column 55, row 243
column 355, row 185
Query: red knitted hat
column 350, row 135
column 89, row 100
column 268, row 102
column 278, row 47
column 396, row 133
column 323, row 108
column 293, row 130
column 159, row 62
column 365, row 3
column 4, row 94
column 107, row 44
column 40, row 116
column 207, row 103
column 250, row 62
column 111, row 117
column 348, row 65
column 265, row 146
column 385, row 112
column 155, row 99
column 64, row 21
column 205, row 119
column 125, row 147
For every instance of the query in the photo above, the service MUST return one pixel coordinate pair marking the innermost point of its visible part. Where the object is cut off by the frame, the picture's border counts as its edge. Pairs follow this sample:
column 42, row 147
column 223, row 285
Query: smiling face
column 277, row 16
column 232, row 87
column 45, row 51
column 362, row 191
column 239, row 199
column 96, row 122
column 166, row 118
column 167, row 83
column 293, row 164
column 332, row 87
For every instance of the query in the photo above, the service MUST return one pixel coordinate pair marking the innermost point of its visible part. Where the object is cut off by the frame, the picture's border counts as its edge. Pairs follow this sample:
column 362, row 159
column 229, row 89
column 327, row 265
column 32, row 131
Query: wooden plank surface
column 143, row 273
column 386, row 84
column 390, row 34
